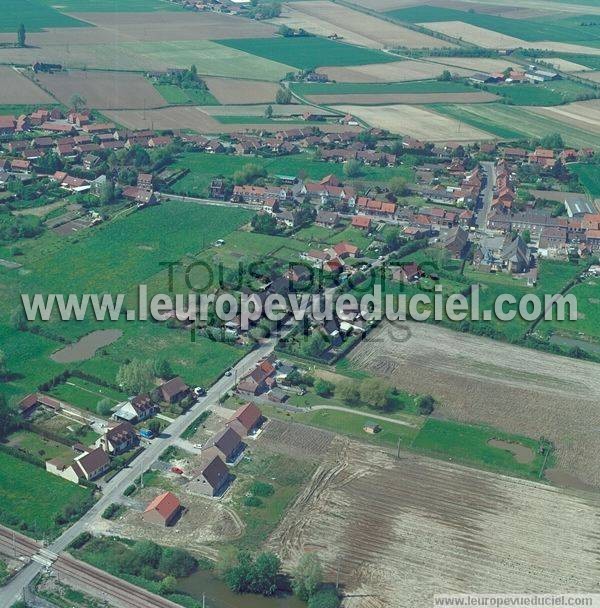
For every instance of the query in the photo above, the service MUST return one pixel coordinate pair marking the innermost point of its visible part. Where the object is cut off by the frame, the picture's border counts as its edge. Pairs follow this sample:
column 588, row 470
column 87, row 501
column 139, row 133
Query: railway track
column 13, row 542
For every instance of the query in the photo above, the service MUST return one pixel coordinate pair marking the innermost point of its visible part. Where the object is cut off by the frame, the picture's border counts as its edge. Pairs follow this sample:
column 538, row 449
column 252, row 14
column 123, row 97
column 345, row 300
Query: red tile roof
column 166, row 505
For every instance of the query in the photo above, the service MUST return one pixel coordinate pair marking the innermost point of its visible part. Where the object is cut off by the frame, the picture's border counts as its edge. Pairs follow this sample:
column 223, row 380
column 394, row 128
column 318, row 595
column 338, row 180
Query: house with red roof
column 362, row 222
column 163, row 510
column 246, row 420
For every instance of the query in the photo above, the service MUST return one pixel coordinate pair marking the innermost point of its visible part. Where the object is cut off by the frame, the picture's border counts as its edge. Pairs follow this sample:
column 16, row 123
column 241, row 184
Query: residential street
column 114, row 489
column 487, row 194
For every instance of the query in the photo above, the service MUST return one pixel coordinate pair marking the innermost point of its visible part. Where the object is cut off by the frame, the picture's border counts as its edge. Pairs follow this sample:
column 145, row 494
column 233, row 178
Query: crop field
column 212, row 59
column 564, row 65
column 17, row 89
column 511, row 122
column 417, row 122
column 349, row 88
column 25, row 492
column 37, row 14
column 385, row 99
column 531, row 30
column 182, row 117
column 179, row 25
column 475, row 64
column 323, row 17
column 589, row 61
column 476, row 35
column 397, row 71
column 584, row 115
column 178, row 96
column 111, row 6
column 544, row 94
column 103, row 90
column 306, row 53
column 495, row 386
column 592, row 75
column 371, row 516
column 239, row 91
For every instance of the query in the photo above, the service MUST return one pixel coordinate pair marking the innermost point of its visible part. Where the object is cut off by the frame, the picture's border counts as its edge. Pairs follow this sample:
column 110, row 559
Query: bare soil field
column 293, row 109
column 477, row 35
column 18, row 89
column 476, row 64
column 356, row 27
column 397, row 71
column 293, row 439
column 103, row 90
column 234, row 91
column 403, row 98
column 593, row 75
column 400, row 531
column 188, row 117
column 566, row 66
column 581, row 114
column 512, row 388
column 168, row 26
column 417, row 122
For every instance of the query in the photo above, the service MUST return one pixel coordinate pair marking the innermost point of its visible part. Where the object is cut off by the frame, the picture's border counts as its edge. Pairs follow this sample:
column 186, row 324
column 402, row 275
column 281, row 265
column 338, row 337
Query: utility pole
column 398, row 450
column 203, row 601
column 14, row 544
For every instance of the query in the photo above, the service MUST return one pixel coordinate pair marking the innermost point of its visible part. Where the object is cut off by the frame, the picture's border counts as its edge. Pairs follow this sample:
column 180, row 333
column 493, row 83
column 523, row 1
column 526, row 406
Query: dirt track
column 513, row 388
column 400, row 531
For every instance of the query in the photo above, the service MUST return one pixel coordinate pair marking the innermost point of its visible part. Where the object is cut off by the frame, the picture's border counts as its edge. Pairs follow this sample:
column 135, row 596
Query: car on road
column 228, row 373
column 199, row 391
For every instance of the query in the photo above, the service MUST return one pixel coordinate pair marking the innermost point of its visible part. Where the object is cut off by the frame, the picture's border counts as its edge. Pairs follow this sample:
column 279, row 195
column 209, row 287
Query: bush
column 111, row 511
column 81, row 540
column 260, row 488
column 426, row 404
column 326, row 598
column 252, row 501
column 323, row 388
column 129, row 490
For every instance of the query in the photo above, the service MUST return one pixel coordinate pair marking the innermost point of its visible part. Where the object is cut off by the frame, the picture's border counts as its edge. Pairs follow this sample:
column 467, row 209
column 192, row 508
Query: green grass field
column 589, row 177
column 469, row 445
column 38, row 447
column 308, row 53
column 212, row 58
column 35, row 496
column 511, row 122
column 565, row 30
column 378, row 88
column 36, row 15
column 177, row 96
column 543, row 94
column 114, row 6
column 203, row 167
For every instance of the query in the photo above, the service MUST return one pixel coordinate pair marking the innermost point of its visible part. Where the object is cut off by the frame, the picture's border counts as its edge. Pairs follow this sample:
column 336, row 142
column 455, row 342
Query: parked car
column 199, row 391
column 177, row 470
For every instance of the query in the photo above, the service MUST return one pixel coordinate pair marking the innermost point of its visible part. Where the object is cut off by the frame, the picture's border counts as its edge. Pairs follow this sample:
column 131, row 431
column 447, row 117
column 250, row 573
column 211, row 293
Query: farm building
column 163, row 510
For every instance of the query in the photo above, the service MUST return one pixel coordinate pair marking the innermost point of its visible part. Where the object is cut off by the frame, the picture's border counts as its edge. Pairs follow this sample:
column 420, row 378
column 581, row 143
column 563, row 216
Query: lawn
column 118, row 255
column 36, row 15
column 378, row 88
column 86, row 395
column 18, row 109
column 469, row 445
column 308, row 53
column 37, row 446
column 564, row 30
column 589, row 177
column 543, row 94
column 26, row 493
column 212, row 58
column 511, row 122
column 177, row 96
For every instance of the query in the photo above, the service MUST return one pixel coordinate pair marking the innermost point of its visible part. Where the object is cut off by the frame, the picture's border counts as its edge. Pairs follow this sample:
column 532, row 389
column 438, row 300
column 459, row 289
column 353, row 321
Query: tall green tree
column 308, row 576
column 136, row 377
column 21, row 36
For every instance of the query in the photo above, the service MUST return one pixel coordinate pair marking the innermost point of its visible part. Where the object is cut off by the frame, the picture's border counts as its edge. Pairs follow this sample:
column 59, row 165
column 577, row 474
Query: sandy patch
column 397, row 71
column 416, row 122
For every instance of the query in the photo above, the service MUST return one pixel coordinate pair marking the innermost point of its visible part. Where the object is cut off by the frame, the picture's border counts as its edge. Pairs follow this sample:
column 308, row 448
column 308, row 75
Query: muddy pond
column 86, row 347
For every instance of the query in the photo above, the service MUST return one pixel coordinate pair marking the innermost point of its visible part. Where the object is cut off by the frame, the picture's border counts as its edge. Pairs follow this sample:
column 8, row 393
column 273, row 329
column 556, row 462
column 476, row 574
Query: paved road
column 115, row 487
column 488, row 193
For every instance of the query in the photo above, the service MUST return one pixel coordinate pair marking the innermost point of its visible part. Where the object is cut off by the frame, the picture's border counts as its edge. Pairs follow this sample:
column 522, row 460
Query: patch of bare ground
column 403, row 98
column 169, row 26
column 234, row 91
column 399, row 531
column 293, row 439
column 396, row 71
column 515, row 389
column 325, row 18
column 203, row 522
column 18, row 89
